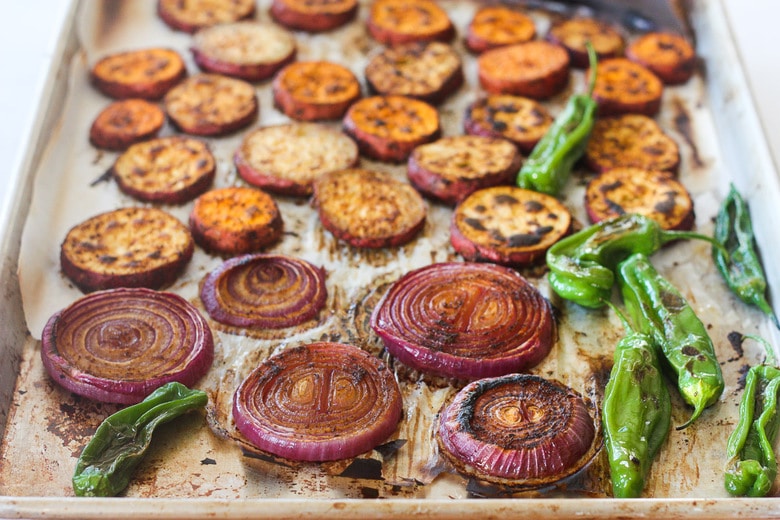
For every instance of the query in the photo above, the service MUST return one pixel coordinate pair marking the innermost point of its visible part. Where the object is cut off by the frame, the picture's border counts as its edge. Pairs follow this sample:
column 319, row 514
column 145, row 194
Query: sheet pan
column 44, row 428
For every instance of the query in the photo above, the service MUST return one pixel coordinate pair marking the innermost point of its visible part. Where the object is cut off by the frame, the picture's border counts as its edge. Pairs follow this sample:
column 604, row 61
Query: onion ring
column 465, row 321
column 119, row 345
column 318, row 402
column 264, row 291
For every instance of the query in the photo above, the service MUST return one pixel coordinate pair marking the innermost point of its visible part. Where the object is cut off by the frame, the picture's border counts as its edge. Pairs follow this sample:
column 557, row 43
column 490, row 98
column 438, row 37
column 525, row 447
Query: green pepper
column 107, row 462
column 636, row 412
column 752, row 465
column 582, row 265
column 741, row 266
column 552, row 159
column 662, row 312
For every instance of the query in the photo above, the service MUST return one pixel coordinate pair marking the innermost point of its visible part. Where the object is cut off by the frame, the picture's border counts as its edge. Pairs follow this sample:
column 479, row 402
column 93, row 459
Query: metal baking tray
column 192, row 472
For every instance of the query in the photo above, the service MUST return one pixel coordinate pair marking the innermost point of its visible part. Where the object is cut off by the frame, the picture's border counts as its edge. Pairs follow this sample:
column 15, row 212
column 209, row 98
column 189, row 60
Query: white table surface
column 29, row 30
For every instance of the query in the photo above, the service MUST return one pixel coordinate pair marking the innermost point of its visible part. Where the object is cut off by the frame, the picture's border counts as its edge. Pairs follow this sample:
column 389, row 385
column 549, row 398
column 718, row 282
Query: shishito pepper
column 752, row 464
column 550, row 163
column 740, row 264
column 120, row 442
column 661, row 312
column 582, row 265
column 636, row 412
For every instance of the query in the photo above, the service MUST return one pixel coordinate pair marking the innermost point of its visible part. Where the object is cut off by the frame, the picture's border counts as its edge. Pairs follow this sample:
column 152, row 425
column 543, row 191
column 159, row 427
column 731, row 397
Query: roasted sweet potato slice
column 388, row 128
column 286, row 159
column 631, row 140
column 313, row 15
column 536, row 69
column 211, row 104
column 129, row 247
column 125, row 122
column 368, row 209
column 521, row 120
column 452, row 168
column 625, row 87
column 429, row 71
column 246, row 50
column 633, row 190
column 168, row 170
column 235, row 220
column 315, row 90
column 392, row 22
column 670, row 56
column 508, row 225
column 144, row 73
column 496, row 26
column 573, row 33
column 191, row 15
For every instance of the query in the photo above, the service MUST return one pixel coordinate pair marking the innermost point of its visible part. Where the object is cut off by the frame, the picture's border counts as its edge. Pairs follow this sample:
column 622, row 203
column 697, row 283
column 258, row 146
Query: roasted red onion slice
column 264, row 291
column 119, row 345
column 465, row 320
column 319, row 402
column 518, row 429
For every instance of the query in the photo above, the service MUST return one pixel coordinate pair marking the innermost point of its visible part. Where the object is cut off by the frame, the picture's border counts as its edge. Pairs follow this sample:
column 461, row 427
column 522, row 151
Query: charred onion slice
column 318, row 402
column 465, row 321
column 264, row 291
column 518, row 429
column 119, row 345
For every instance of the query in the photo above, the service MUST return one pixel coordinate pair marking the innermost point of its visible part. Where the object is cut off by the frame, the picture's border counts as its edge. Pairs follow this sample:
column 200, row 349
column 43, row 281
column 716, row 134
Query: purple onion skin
column 127, row 391
column 301, row 430
column 298, row 307
column 421, row 336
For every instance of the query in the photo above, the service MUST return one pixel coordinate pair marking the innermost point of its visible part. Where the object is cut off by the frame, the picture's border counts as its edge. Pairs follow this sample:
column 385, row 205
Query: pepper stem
column 620, row 315
column 771, row 359
column 593, row 65
column 671, row 235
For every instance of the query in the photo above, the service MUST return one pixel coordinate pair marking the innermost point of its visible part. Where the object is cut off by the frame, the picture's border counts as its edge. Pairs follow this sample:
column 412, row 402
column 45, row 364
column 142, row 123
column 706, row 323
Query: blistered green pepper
column 661, row 312
column 550, row 163
column 582, row 265
column 636, row 412
column 740, row 265
column 120, row 442
column 752, row 465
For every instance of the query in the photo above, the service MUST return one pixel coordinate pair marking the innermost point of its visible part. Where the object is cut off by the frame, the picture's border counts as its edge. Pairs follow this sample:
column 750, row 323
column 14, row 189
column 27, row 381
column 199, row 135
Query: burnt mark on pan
column 682, row 122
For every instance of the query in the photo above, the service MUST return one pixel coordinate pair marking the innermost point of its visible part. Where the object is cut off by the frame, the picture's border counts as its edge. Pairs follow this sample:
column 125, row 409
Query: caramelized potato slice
column 625, row 87
column 496, row 26
column 520, row 120
column 315, row 90
column 393, row 22
column 313, row 15
column 192, row 15
column 670, row 56
column 145, row 73
column 125, row 122
column 572, row 34
column 536, row 69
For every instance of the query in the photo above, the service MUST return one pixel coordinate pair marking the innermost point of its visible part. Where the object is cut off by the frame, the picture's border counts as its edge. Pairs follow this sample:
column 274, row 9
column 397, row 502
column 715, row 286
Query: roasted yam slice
column 235, row 220
column 144, row 73
column 536, row 69
column 313, row 15
column 368, row 209
column 129, row 247
column 429, row 71
column 631, row 140
column 286, row 159
column 633, row 190
column 191, row 15
column 315, row 90
column 572, row 34
column 388, row 128
column 125, row 122
column 625, row 87
column 508, row 225
column 211, row 105
column 496, row 26
column 520, row 120
column 246, row 50
column 393, row 22
column 452, row 168
column 670, row 56
column 168, row 170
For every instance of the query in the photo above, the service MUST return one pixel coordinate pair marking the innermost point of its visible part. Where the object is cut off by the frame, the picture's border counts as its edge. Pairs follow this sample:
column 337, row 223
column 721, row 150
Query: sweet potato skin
column 313, row 16
column 195, row 14
column 315, row 90
column 625, row 87
column 125, row 122
column 572, row 34
column 669, row 56
column 129, row 247
column 495, row 26
column 235, row 220
column 520, row 120
column 394, row 22
column 144, row 73
column 536, row 69
column 388, row 128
